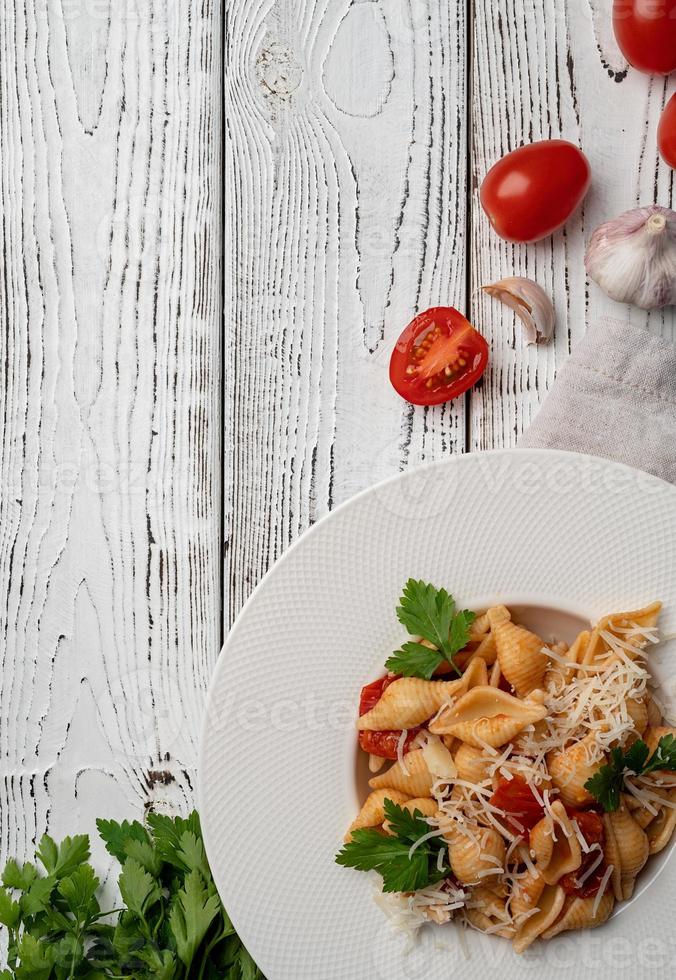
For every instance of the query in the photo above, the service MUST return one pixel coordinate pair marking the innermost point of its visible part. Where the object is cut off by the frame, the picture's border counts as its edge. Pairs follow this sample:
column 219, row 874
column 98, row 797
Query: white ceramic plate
column 278, row 775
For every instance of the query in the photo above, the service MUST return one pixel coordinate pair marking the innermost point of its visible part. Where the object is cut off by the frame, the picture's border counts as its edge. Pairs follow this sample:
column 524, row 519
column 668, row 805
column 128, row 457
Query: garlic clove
column 530, row 303
column 633, row 257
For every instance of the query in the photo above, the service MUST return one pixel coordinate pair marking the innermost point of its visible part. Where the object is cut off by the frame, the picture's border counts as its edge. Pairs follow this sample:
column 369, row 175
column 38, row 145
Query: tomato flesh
column 646, row 33
column 384, row 744
column 531, row 192
column 517, row 799
column 666, row 133
column 591, row 825
column 438, row 357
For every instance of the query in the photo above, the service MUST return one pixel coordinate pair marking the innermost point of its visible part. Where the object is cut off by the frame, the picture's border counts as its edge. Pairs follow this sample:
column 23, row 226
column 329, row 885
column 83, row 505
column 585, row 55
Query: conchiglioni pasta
column 503, row 767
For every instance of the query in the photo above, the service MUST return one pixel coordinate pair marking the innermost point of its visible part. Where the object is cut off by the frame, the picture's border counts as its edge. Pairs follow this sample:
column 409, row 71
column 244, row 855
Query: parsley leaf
column 414, row 660
column 664, row 756
column 192, row 912
column 391, row 857
column 431, row 614
column 117, row 836
column 607, row 784
column 172, row 923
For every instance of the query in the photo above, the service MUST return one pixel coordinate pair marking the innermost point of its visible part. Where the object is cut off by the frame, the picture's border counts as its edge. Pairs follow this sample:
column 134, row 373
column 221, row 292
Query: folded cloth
column 614, row 397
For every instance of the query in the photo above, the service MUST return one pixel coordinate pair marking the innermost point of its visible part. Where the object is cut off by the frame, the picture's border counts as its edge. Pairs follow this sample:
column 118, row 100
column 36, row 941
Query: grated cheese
column 602, row 888
column 400, row 751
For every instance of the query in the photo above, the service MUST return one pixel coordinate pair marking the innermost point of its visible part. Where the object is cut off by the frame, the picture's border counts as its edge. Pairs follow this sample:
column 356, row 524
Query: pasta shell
column 654, row 713
column 526, row 893
column 570, row 769
column 579, row 914
column 618, row 624
column 520, row 656
column 409, row 702
column 638, row 712
column 480, row 626
column 491, row 912
column 484, row 923
column 643, row 817
column 486, row 714
column 483, row 650
column 566, row 854
column 549, row 907
column 541, row 839
column 471, row 763
column 412, row 778
column 372, row 813
column 472, row 857
column 627, row 844
column 661, row 830
column 425, row 806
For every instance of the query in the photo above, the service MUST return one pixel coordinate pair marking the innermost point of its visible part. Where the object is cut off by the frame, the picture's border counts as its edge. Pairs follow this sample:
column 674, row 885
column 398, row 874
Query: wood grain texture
column 345, row 180
column 547, row 70
column 110, row 304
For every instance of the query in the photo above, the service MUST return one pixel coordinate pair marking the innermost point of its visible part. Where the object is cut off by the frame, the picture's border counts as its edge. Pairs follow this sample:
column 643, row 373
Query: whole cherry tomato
column 646, row 33
column 438, row 357
column 532, row 191
column 666, row 133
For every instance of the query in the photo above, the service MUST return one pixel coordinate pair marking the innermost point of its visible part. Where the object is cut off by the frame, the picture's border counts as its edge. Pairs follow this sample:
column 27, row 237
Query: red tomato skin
column 450, row 318
column 646, row 33
column 372, row 693
column 591, row 825
column 666, row 133
column 515, row 797
column 385, row 744
column 531, row 192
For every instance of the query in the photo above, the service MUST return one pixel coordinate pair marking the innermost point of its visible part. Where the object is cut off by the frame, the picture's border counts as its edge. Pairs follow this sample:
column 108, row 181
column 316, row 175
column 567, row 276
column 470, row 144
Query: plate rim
column 401, row 476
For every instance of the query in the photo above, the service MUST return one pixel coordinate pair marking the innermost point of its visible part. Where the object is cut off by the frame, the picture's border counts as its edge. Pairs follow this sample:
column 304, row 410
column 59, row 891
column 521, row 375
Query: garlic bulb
column 633, row 258
column 530, row 303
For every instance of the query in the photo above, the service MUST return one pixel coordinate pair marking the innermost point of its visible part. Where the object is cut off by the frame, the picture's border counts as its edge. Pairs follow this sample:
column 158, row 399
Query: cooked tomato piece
column 591, row 825
column 646, row 33
column 438, row 357
column 385, row 744
column 532, row 191
column 666, row 133
column 517, row 799
column 372, row 693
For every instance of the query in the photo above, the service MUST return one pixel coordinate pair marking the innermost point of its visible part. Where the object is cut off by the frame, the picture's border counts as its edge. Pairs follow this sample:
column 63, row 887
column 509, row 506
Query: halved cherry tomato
column 591, row 825
column 384, row 744
column 517, row 799
column 532, row 191
column 666, row 133
column 646, row 33
column 438, row 357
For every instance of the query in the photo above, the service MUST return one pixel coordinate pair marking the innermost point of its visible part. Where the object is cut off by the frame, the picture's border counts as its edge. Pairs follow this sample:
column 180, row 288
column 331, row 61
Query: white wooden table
column 157, row 457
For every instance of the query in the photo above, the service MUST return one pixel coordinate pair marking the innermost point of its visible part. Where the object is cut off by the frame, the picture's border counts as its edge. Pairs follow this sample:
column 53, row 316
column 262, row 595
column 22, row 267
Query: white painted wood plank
column 545, row 70
column 110, row 304
column 345, row 185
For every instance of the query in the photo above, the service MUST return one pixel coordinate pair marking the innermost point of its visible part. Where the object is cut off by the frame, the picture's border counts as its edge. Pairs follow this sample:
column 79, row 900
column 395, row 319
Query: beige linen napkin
column 614, row 397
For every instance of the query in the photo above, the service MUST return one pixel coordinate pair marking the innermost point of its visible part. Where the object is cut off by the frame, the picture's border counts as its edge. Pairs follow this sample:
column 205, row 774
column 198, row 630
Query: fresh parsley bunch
column 430, row 613
column 607, row 784
column 172, row 925
column 401, row 869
